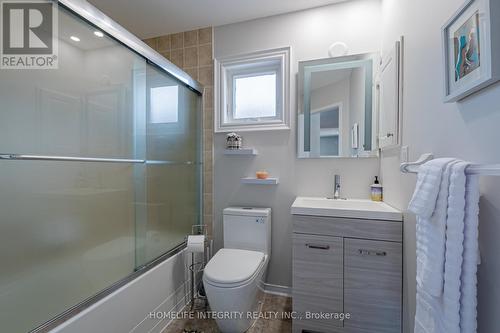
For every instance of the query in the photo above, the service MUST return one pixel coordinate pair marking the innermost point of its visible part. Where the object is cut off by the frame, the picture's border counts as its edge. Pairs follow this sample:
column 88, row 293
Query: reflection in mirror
column 335, row 107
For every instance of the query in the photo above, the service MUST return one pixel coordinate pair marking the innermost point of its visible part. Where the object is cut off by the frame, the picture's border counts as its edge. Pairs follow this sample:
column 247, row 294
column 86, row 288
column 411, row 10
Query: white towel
column 468, row 296
column 454, row 248
column 446, row 204
column 429, row 203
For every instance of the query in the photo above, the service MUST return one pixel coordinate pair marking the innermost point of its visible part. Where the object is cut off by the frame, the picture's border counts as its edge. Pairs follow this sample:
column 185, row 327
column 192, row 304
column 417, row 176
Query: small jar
column 233, row 141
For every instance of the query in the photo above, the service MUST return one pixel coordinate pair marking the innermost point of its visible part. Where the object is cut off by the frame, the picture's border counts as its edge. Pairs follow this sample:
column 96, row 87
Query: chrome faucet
column 336, row 188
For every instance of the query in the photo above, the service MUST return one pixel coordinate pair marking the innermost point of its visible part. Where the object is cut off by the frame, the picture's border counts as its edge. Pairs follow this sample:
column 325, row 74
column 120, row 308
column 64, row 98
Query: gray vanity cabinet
column 372, row 285
column 318, row 276
column 350, row 266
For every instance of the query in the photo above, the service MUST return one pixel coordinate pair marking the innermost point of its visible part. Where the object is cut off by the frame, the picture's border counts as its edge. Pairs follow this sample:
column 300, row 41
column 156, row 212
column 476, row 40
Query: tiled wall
column 192, row 51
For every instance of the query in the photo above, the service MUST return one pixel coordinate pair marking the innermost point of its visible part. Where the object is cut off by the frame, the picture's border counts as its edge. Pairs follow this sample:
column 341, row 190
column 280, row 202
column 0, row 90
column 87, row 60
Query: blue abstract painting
column 467, row 47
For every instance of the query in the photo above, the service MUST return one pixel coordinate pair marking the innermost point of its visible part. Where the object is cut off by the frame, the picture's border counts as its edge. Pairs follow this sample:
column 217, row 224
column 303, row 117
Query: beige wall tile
column 192, row 51
column 193, row 72
column 163, row 43
column 205, row 35
column 207, row 160
column 208, row 97
column 166, row 54
column 177, row 57
column 152, row 42
column 191, row 38
column 191, row 57
column 177, row 41
column 208, row 139
column 207, row 199
column 205, row 55
column 208, row 118
column 208, row 220
column 206, row 75
column 207, row 182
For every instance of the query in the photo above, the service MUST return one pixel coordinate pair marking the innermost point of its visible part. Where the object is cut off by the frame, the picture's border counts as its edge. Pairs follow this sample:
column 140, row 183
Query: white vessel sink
column 350, row 208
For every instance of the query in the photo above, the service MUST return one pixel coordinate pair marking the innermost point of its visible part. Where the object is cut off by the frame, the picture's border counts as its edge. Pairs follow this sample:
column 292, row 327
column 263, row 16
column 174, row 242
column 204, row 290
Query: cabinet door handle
column 318, row 246
column 365, row 252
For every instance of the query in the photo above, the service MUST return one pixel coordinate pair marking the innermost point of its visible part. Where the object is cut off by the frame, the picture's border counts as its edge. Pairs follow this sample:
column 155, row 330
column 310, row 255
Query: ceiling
column 151, row 18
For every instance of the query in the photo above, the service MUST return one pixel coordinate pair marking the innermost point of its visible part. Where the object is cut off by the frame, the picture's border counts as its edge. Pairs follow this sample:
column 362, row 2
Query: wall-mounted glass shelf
column 256, row 181
column 242, row 151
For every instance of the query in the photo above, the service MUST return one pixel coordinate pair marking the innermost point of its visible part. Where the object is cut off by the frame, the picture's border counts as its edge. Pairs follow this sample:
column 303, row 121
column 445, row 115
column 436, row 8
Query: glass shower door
column 173, row 168
column 72, row 228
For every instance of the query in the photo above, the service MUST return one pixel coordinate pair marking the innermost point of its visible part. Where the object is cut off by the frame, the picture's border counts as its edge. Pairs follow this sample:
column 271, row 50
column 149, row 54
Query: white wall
column 468, row 130
column 309, row 33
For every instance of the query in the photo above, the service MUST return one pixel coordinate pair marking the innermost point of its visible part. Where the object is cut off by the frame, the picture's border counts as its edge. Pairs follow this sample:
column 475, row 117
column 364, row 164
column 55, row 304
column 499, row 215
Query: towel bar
column 473, row 169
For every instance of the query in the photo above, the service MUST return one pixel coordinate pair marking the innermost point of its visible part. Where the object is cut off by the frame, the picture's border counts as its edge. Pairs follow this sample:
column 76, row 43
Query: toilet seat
column 231, row 268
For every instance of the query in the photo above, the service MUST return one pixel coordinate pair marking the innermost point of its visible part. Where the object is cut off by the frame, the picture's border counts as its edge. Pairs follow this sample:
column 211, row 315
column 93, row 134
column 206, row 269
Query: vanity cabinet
column 350, row 266
column 318, row 276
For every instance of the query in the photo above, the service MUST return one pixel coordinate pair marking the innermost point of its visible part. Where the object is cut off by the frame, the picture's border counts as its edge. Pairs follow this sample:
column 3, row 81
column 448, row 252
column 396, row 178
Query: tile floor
column 272, row 303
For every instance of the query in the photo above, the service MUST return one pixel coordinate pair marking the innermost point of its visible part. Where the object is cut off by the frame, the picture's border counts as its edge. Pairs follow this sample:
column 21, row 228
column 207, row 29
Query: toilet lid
column 233, row 265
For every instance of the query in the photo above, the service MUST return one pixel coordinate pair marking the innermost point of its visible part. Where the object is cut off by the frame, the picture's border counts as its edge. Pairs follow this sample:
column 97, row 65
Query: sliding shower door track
column 80, row 307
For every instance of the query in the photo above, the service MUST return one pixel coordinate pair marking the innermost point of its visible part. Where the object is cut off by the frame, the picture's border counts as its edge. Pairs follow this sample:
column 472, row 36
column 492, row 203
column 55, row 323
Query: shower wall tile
column 207, row 160
column 208, row 120
column 164, row 43
column 205, row 35
column 191, row 57
column 152, row 42
column 208, row 98
column 193, row 52
column 207, row 209
column 177, row 57
column 166, row 54
column 208, row 140
column 193, row 72
column 206, row 76
column 205, row 55
column 191, row 38
column 208, row 188
column 177, row 41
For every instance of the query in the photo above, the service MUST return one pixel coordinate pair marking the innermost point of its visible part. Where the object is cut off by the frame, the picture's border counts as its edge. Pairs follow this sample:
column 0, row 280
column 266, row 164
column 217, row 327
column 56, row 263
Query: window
column 253, row 91
column 164, row 105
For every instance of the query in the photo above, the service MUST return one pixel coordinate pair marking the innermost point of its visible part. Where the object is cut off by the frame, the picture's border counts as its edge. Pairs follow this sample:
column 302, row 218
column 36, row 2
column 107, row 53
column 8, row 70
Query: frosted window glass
column 164, row 105
column 255, row 96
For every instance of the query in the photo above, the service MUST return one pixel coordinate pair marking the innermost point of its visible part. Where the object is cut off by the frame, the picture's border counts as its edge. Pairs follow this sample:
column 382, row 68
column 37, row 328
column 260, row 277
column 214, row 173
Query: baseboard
column 276, row 289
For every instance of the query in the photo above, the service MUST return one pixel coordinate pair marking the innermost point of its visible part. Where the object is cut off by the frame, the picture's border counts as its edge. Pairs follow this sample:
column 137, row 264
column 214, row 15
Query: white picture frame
column 471, row 49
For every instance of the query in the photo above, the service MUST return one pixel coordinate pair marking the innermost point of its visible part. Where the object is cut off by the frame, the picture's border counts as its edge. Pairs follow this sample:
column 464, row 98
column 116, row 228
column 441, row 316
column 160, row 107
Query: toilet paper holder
column 198, row 243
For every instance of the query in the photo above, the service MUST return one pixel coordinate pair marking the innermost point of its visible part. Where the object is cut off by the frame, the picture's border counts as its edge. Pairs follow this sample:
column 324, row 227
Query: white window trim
column 223, row 67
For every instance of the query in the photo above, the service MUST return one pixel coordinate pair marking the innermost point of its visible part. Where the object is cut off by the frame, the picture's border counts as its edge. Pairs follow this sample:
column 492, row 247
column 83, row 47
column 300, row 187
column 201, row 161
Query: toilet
column 233, row 275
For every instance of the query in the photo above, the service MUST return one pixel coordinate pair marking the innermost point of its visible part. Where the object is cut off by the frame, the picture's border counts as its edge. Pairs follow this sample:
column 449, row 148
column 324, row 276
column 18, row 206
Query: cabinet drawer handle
column 318, row 246
column 365, row 252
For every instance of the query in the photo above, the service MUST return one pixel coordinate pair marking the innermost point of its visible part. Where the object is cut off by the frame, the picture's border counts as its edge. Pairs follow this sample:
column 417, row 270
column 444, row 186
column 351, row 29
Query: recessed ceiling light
column 98, row 34
column 75, row 39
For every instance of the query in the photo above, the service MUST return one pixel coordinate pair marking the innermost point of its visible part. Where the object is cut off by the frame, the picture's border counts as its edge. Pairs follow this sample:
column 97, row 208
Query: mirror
column 335, row 110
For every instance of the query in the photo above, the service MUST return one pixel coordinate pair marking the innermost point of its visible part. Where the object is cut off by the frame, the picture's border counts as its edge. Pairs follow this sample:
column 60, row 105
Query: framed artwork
column 471, row 49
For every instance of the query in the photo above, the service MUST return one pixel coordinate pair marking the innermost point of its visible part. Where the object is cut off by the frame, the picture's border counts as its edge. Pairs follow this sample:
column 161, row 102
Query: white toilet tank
column 247, row 228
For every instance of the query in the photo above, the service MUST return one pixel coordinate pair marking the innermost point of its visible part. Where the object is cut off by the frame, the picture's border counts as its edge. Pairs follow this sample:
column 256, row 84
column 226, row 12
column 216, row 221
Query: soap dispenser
column 376, row 190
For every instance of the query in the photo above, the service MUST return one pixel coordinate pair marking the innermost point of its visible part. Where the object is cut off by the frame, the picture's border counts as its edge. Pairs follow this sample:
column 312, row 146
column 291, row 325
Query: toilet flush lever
column 318, row 246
